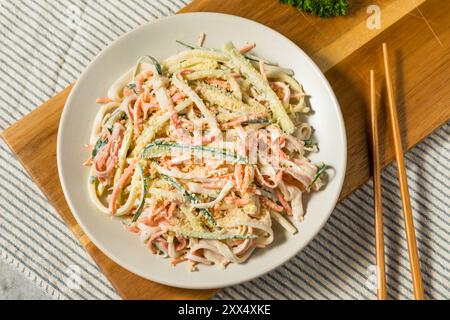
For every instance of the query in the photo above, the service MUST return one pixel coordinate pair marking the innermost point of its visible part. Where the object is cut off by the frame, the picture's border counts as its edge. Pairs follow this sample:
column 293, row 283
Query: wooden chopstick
column 379, row 241
column 407, row 215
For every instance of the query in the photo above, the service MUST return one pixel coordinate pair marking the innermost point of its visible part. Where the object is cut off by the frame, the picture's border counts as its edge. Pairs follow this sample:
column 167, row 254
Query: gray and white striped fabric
column 45, row 45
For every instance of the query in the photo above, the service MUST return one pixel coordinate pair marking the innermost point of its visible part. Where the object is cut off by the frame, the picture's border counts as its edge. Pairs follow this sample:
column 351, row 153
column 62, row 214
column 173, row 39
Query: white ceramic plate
column 158, row 40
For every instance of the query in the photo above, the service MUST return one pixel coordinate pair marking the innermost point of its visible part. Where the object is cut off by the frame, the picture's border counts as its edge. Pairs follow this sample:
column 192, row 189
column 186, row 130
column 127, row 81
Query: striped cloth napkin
column 45, row 47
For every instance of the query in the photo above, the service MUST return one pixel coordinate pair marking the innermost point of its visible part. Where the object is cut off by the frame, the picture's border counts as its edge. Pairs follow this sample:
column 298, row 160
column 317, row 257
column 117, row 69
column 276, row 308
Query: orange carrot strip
column 271, row 205
column 103, row 100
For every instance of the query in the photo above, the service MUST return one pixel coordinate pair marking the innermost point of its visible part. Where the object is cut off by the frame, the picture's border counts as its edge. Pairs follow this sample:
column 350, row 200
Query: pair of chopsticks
column 406, row 205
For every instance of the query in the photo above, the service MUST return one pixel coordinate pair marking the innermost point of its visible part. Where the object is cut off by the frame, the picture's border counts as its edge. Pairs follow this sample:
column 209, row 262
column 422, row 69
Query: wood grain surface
column 418, row 34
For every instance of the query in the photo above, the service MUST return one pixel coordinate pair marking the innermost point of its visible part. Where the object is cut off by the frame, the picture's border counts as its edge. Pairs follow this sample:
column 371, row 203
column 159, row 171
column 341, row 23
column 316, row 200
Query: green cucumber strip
column 132, row 86
column 192, row 198
column 248, row 56
column 262, row 86
column 154, row 150
column 149, row 59
column 309, row 143
column 317, row 176
column 215, row 235
column 116, row 116
column 98, row 146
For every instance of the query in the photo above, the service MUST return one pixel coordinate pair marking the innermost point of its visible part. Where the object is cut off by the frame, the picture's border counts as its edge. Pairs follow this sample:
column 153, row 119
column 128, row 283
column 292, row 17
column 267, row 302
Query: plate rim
column 262, row 271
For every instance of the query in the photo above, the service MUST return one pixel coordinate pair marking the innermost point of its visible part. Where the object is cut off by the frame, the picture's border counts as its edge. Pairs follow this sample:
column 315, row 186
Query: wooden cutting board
column 344, row 48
